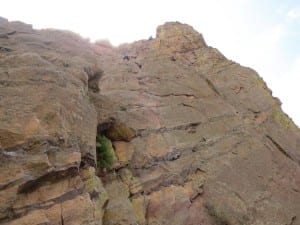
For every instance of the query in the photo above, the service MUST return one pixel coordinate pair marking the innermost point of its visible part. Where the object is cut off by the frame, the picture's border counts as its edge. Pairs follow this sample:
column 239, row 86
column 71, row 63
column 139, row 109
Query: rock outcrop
column 198, row 138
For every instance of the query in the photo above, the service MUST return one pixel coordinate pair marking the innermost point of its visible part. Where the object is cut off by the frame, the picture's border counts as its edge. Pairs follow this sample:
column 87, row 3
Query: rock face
column 199, row 139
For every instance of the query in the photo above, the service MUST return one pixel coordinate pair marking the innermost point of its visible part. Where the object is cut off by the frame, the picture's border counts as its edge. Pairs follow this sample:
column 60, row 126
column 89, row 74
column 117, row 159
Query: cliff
column 197, row 138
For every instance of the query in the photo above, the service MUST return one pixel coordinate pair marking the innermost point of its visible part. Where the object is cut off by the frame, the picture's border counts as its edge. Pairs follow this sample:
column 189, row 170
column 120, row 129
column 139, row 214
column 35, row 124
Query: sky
column 261, row 34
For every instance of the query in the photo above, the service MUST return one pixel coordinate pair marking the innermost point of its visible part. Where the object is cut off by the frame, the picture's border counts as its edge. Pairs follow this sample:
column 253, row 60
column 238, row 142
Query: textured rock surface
column 47, row 129
column 199, row 139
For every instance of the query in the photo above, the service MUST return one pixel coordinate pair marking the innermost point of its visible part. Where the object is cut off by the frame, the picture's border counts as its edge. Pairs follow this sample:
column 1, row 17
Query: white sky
column 261, row 34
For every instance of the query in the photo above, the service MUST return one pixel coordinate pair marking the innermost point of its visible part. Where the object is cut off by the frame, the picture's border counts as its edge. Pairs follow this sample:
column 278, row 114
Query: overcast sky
column 261, row 34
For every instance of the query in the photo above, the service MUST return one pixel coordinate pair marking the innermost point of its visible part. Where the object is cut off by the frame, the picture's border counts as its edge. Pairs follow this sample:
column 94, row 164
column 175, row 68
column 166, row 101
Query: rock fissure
column 293, row 220
column 25, row 210
column 172, row 94
column 53, row 176
column 61, row 217
column 284, row 152
column 12, row 183
column 202, row 144
column 192, row 125
column 212, row 86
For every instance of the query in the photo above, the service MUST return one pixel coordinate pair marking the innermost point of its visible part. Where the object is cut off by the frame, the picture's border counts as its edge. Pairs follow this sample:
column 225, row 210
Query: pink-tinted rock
column 199, row 139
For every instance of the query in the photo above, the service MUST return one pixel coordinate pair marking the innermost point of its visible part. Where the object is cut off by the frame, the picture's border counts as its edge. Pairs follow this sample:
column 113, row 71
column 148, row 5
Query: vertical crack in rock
column 93, row 78
column 61, row 217
column 293, row 220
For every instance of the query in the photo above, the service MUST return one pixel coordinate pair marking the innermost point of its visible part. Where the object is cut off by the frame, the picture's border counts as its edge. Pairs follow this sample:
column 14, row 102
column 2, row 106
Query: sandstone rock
column 199, row 139
column 173, row 206
column 124, row 151
column 120, row 132
column 47, row 127
column 140, row 206
column 178, row 38
column 119, row 209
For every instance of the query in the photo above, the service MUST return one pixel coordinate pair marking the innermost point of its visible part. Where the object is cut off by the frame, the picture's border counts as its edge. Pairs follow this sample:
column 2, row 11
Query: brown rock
column 119, row 209
column 178, row 38
column 120, row 132
column 124, row 151
column 47, row 126
column 173, row 206
column 199, row 139
column 140, row 206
